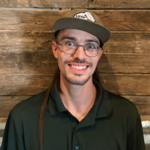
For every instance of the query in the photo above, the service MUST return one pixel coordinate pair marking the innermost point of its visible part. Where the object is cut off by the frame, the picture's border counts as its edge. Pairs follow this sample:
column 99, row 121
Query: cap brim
column 99, row 31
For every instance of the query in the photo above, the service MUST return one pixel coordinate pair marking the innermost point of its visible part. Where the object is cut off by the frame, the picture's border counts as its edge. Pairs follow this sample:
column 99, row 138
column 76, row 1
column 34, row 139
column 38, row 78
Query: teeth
column 78, row 67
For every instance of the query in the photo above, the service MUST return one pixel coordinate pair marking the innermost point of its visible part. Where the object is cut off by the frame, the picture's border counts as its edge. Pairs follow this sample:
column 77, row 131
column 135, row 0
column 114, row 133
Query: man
column 75, row 113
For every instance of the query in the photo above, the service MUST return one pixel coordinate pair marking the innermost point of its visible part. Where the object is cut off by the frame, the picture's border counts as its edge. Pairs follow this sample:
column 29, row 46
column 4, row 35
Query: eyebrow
column 90, row 40
column 70, row 38
column 74, row 39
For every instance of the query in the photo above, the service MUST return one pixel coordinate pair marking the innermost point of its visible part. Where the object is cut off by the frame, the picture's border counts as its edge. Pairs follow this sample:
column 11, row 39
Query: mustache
column 76, row 60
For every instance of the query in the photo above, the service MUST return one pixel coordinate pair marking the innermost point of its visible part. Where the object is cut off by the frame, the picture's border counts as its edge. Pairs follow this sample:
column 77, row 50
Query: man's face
column 77, row 68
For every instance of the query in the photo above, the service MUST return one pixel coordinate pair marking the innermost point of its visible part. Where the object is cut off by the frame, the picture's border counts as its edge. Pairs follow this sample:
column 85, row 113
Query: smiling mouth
column 78, row 67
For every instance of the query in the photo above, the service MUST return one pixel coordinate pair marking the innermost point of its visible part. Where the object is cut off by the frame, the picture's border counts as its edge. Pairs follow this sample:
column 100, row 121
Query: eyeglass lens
column 70, row 47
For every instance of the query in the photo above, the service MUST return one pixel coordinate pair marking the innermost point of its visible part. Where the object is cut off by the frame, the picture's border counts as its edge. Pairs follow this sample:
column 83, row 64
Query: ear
column 54, row 49
column 100, row 54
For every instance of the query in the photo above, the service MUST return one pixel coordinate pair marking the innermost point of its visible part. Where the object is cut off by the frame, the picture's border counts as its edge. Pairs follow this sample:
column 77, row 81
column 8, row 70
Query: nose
column 79, row 52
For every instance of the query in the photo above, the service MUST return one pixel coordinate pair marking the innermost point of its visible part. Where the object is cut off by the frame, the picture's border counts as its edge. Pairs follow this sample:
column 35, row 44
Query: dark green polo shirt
column 112, row 124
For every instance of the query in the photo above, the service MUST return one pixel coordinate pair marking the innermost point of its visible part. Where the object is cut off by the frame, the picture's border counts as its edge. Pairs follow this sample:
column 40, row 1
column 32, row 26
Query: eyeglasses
column 70, row 47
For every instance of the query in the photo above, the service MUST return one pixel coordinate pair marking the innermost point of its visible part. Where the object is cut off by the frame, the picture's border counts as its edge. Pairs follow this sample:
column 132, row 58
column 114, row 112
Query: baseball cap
column 83, row 19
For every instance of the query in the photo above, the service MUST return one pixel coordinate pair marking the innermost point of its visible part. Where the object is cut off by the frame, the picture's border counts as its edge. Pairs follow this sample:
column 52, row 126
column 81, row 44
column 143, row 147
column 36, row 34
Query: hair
column 56, row 79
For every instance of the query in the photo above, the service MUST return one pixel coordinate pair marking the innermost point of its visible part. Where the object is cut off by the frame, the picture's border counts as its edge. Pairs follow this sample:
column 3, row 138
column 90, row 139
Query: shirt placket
column 76, row 145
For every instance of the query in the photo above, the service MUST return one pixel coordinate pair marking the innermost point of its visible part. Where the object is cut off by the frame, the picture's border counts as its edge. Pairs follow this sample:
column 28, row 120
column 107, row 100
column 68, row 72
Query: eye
column 90, row 47
column 69, row 43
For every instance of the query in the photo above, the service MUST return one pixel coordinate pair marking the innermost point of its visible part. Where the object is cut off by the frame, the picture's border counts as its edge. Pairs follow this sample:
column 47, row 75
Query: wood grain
column 124, row 63
column 137, row 100
column 120, row 41
column 76, row 3
column 30, row 84
column 126, row 84
column 28, row 19
column 30, row 52
column 27, row 64
column 145, row 117
column 143, row 109
column 147, row 146
column 60, row 3
column 146, row 130
column 119, row 4
column 3, row 119
column 1, row 133
column 128, row 42
column 43, row 20
column 141, row 102
column 24, row 84
column 13, row 41
column 14, row 3
column 124, row 20
column 45, row 63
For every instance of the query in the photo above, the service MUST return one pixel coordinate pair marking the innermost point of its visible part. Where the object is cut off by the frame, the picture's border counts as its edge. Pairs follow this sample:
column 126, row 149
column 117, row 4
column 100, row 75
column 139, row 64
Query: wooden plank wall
column 27, row 64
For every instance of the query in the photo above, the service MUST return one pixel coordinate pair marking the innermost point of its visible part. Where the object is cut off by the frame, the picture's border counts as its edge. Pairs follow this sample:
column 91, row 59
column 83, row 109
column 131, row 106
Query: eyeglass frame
column 99, row 48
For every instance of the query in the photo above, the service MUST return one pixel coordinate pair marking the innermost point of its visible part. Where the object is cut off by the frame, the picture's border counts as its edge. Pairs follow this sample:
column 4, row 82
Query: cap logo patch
column 85, row 15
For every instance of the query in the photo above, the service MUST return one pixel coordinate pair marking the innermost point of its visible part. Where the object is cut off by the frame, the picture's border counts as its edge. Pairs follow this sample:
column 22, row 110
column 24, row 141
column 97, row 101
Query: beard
column 76, row 81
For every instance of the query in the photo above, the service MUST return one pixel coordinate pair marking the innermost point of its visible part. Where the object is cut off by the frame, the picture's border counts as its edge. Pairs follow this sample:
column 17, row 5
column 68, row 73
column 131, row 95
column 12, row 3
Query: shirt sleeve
column 135, row 137
column 13, row 138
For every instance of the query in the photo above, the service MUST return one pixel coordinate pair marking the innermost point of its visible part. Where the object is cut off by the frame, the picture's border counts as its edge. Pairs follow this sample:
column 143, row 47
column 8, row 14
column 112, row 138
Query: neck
column 78, row 99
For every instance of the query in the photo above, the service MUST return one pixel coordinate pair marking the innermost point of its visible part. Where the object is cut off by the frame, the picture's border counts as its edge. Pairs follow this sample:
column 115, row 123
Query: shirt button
column 77, row 147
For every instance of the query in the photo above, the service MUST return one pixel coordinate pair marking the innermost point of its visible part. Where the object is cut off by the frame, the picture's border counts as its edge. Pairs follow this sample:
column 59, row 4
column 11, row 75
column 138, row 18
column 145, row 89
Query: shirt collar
column 55, row 103
column 101, row 108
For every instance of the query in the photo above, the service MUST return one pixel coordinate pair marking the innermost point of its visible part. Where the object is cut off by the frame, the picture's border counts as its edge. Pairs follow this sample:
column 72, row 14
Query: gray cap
column 85, row 20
